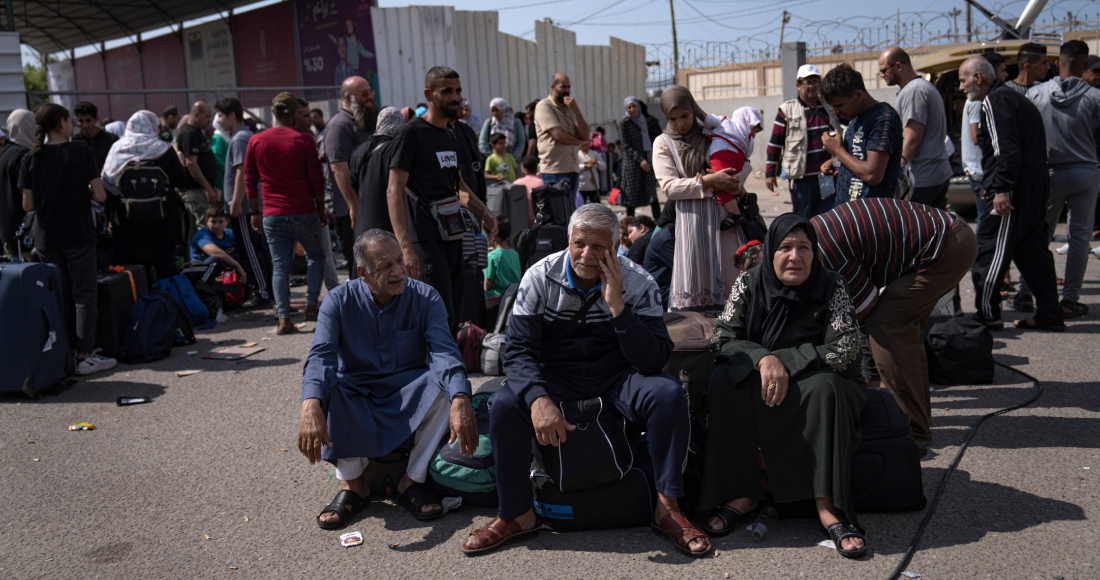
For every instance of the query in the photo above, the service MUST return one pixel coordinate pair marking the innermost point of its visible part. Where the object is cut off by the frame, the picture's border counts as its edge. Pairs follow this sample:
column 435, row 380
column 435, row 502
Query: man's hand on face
column 570, row 102
column 550, row 425
column 312, row 430
column 611, row 279
column 463, row 425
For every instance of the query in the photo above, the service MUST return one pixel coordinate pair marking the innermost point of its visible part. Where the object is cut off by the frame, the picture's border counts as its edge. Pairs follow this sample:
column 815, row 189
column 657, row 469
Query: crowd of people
column 813, row 308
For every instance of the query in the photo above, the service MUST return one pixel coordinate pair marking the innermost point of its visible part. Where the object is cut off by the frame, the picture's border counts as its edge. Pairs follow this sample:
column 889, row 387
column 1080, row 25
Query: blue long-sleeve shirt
column 578, row 366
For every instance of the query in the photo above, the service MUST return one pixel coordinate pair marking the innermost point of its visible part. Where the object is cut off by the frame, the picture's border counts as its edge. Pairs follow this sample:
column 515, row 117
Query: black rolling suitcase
column 555, row 202
column 516, row 207
column 117, row 292
column 34, row 342
column 474, row 308
column 886, row 474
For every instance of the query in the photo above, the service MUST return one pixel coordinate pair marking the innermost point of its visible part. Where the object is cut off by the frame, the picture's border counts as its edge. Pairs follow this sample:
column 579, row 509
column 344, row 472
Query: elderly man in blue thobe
column 383, row 366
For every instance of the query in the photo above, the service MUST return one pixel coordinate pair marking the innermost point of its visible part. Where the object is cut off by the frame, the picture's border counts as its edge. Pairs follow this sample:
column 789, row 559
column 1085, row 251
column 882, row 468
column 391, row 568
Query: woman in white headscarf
column 20, row 136
column 116, row 128
column 151, row 245
column 503, row 121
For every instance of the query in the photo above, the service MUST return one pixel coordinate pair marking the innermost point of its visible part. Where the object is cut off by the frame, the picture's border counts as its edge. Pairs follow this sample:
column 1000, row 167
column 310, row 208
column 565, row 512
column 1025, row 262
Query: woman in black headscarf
column 791, row 392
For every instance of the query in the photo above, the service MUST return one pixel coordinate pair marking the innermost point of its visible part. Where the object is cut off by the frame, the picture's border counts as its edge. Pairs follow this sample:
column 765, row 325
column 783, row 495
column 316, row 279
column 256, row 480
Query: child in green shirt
column 500, row 166
column 503, row 269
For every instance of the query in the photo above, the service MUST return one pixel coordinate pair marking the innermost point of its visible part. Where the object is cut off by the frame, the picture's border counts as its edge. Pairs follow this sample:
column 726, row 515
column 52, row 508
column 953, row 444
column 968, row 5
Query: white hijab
column 507, row 123
column 737, row 130
column 140, row 142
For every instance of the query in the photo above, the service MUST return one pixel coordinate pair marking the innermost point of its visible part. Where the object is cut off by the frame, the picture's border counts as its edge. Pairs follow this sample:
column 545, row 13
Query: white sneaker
column 1062, row 250
column 94, row 364
column 1096, row 252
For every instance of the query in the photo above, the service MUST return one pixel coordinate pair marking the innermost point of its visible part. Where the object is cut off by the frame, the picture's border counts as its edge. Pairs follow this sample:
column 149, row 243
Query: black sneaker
column 255, row 301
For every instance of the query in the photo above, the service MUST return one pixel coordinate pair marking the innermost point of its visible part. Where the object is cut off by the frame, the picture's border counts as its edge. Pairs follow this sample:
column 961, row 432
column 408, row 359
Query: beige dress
column 703, row 269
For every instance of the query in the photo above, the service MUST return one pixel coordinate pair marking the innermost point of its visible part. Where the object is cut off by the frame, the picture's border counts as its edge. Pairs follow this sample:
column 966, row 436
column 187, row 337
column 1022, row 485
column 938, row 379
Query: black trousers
column 442, row 268
column 347, row 243
column 253, row 254
column 1022, row 237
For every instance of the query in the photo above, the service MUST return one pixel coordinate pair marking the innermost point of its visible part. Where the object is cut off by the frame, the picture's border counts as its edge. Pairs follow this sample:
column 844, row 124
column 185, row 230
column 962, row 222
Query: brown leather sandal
column 681, row 530
column 498, row 534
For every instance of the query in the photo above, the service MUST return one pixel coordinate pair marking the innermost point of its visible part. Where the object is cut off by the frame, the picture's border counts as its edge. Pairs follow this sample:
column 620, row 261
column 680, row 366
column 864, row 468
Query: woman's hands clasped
column 773, row 380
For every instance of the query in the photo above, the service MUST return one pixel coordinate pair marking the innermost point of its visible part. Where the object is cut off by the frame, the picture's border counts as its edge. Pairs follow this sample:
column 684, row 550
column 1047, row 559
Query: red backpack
column 469, row 344
column 234, row 291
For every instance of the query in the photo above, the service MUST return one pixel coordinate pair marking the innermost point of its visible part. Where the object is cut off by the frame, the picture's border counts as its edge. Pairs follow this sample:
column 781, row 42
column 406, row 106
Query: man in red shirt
column 283, row 161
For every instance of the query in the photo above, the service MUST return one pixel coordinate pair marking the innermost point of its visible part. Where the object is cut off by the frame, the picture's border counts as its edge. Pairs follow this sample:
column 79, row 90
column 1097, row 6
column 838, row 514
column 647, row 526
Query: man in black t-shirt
column 425, row 160
column 199, row 191
column 87, row 118
column 532, row 136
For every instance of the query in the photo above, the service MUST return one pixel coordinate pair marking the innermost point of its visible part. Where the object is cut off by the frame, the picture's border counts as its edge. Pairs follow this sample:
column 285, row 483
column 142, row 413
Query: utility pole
column 675, row 46
column 783, row 27
column 969, row 36
column 955, row 15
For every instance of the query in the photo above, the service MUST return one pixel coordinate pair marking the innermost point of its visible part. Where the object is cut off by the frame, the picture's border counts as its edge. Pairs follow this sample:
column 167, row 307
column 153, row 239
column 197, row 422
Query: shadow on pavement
column 101, row 392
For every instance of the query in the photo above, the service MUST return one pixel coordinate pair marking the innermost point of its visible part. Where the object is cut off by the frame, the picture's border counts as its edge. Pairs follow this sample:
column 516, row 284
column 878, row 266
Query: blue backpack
column 152, row 330
column 180, row 289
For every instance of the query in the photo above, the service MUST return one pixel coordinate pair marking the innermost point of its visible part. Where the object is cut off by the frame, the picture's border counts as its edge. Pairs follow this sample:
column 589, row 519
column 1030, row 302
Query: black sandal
column 843, row 530
column 1032, row 324
column 1076, row 309
column 415, row 497
column 339, row 507
column 1023, row 303
column 727, row 514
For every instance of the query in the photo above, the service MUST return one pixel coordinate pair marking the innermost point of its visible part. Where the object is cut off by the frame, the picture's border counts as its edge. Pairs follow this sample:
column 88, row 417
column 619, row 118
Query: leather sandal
column 731, row 519
column 339, row 506
column 498, row 534
column 1023, row 303
column 843, row 530
column 677, row 527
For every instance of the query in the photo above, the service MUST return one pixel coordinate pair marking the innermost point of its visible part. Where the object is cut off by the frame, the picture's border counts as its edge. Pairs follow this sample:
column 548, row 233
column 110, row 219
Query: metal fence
column 120, row 105
column 909, row 33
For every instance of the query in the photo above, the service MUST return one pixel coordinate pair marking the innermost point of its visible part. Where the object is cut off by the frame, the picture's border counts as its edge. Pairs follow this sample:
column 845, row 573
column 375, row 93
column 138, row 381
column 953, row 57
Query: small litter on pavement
column 909, row 574
column 129, row 400
column 351, row 539
column 233, row 353
column 81, row 427
column 828, row 544
column 186, row 373
column 249, row 344
column 192, row 352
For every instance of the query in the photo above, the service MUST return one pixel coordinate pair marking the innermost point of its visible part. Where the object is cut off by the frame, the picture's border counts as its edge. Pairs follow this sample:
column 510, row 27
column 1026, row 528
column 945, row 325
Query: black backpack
column 151, row 332
column 144, row 194
column 959, row 351
column 555, row 202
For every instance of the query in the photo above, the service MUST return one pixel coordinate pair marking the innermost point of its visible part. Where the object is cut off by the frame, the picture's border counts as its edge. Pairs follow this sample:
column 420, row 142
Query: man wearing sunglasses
column 924, row 126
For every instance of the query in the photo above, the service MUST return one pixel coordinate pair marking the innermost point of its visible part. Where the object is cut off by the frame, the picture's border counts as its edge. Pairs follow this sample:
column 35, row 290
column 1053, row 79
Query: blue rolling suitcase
column 34, row 346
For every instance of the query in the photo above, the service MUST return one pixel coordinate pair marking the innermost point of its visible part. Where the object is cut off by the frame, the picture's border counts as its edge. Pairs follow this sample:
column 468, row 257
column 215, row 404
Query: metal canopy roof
column 58, row 25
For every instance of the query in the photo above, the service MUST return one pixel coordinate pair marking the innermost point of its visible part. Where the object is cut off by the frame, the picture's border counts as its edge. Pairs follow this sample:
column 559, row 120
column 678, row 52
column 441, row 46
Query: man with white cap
column 795, row 146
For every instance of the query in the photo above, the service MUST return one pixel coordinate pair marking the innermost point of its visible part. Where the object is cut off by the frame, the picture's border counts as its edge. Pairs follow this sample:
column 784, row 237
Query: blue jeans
column 806, row 197
column 282, row 232
column 981, row 204
column 548, row 178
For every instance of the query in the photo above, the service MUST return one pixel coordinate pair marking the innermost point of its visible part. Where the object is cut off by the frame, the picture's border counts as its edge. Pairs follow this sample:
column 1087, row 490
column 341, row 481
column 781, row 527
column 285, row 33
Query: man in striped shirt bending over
column 915, row 254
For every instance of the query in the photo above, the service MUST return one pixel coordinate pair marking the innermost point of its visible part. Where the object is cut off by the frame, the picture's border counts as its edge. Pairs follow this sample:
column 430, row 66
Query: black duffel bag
column 596, row 453
column 628, row 502
column 886, row 474
column 959, row 351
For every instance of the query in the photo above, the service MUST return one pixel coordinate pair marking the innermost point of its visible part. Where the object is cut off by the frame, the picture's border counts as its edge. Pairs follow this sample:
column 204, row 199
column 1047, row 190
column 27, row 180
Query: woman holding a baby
column 702, row 171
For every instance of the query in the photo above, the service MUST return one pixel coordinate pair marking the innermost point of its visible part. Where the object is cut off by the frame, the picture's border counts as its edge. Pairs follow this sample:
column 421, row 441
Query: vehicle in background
column 942, row 70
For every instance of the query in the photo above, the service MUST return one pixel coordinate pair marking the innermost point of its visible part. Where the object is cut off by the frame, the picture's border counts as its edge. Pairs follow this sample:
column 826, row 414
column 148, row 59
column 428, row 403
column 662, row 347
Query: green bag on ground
column 473, row 478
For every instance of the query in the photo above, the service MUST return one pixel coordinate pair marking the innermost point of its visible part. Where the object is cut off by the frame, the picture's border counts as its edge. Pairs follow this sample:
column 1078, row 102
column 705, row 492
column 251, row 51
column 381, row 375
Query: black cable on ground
column 909, row 553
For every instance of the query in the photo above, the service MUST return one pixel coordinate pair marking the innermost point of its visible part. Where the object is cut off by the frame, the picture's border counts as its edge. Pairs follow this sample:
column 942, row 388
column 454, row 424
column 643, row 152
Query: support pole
column 675, row 46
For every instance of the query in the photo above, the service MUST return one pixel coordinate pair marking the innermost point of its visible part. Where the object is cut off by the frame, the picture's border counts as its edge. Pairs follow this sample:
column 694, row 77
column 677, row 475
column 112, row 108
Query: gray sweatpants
column 1078, row 186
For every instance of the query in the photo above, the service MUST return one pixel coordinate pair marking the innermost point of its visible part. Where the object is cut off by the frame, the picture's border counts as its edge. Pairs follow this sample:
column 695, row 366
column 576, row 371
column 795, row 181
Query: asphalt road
column 205, row 482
